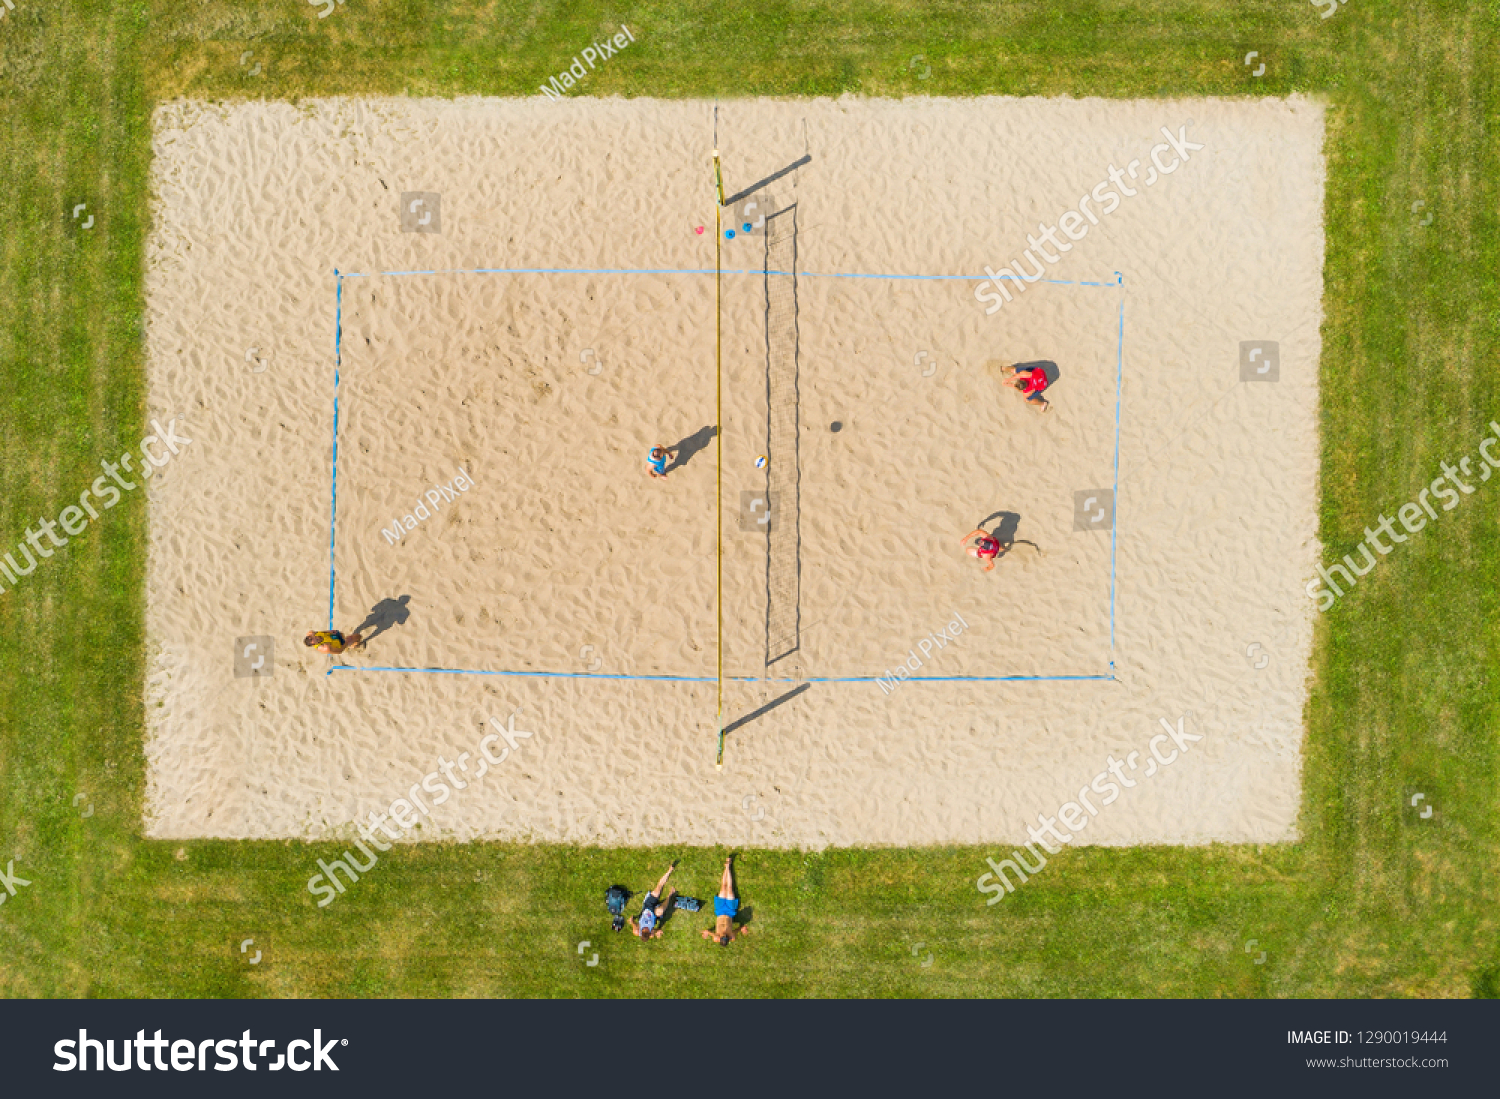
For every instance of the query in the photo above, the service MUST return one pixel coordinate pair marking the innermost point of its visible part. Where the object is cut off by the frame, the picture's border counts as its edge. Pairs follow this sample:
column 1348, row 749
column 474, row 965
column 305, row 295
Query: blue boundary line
column 691, row 271
column 1114, row 527
column 338, row 331
column 338, row 352
column 734, row 678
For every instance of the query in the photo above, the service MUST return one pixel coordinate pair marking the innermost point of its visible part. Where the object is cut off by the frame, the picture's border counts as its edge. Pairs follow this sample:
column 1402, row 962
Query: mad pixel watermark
column 599, row 51
column 913, row 662
column 436, row 496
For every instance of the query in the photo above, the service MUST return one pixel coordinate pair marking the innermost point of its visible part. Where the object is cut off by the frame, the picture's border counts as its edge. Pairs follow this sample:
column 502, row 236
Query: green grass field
column 1405, row 669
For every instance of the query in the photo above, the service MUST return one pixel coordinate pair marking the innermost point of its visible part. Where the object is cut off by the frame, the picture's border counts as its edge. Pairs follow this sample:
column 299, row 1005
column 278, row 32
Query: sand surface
column 560, row 323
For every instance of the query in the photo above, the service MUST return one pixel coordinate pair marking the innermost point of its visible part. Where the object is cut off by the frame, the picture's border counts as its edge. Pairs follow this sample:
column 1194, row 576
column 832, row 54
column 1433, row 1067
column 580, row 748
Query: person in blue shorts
column 657, row 460
column 726, row 908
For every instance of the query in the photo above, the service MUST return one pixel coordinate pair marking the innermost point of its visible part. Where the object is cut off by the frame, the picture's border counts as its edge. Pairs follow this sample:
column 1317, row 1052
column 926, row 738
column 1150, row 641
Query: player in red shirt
column 986, row 547
column 1031, row 381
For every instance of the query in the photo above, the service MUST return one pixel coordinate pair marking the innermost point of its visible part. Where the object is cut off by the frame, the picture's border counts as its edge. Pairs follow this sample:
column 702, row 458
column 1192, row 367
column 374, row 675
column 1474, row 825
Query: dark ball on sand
column 836, row 426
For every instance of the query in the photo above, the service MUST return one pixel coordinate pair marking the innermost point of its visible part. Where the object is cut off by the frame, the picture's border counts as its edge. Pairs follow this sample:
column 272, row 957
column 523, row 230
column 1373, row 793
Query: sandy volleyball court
column 507, row 302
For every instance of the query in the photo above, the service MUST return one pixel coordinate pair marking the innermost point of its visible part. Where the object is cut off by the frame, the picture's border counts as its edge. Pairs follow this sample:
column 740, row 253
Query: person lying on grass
column 726, row 908
column 654, row 909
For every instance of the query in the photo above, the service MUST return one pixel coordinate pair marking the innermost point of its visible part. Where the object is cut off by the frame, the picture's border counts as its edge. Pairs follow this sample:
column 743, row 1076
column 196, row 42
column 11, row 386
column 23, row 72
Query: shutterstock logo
column 1414, row 515
column 1078, row 815
column 1072, row 222
column 188, row 1055
column 75, row 518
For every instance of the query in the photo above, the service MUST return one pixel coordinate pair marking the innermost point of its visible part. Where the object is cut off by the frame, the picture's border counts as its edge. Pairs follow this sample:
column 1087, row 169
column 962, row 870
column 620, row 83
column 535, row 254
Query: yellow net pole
column 719, row 429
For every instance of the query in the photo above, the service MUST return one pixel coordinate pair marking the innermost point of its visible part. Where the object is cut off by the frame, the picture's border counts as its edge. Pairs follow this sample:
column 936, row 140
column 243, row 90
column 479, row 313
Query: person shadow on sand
column 989, row 545
column 695, row 443
column 384, row 615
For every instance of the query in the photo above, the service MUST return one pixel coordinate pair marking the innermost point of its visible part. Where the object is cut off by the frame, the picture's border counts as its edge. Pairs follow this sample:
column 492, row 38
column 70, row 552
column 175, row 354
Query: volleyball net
column 783, row 467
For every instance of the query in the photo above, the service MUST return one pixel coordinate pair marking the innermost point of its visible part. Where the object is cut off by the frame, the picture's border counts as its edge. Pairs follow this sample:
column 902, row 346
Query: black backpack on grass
column 616, row 897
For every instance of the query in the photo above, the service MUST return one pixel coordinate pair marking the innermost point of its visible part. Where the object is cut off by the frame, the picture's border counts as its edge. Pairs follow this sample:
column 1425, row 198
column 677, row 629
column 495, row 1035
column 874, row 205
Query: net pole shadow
column 767, row 708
